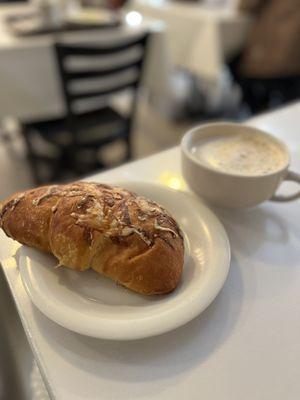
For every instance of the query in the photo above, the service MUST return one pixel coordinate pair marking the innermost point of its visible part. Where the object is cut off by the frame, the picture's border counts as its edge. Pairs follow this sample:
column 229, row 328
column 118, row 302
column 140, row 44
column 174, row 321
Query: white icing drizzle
column 84, row 198
column 119, row 193
column 48, row 193
column 163, row 228
column 145, row 207
column 96, row 210
column 54, row 208
column 117, row 196
column 128, row 230
column 91, row 238
column 93, row 218
column 114, row 223
column 71, row 193
column 53, row 190
column 16, row 201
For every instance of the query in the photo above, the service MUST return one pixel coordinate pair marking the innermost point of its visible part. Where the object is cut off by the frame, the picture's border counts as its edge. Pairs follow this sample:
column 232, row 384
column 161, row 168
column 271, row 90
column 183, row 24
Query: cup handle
column 290, row 176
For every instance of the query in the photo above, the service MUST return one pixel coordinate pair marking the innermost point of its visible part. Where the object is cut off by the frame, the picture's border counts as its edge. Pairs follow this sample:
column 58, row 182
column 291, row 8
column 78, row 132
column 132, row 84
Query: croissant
column 125, row 237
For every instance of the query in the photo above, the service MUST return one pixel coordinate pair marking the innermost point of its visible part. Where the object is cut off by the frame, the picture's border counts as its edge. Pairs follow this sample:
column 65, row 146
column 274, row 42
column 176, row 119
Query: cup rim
column 189, row 134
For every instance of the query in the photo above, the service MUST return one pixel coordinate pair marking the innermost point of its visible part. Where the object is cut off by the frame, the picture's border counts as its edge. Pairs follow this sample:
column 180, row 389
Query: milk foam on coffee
column 242, row 154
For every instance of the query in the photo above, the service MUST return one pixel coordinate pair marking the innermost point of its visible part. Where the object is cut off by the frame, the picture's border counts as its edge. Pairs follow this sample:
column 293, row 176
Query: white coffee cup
column 227, row 189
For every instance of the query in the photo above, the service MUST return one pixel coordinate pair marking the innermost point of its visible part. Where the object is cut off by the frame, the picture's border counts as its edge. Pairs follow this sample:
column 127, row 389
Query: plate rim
column 115, row 333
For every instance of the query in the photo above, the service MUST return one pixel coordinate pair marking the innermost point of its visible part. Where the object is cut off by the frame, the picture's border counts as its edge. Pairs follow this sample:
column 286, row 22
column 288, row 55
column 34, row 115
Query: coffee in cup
column 235, row 165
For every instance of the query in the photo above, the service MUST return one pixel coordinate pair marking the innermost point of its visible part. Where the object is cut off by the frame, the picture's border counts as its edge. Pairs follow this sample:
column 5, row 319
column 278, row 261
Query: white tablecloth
column 245, row 346
column 29, row 82
column 197, row 38
column 200, row 38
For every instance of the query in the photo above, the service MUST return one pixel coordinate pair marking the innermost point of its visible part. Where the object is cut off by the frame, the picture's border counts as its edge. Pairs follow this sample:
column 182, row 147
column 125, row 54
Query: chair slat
column 98, row 93
column 107, row 120
column 76, row 50
column 73, row 75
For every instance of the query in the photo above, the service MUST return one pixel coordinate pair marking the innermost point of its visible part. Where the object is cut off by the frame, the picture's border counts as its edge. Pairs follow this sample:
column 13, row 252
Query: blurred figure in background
column 268, row 70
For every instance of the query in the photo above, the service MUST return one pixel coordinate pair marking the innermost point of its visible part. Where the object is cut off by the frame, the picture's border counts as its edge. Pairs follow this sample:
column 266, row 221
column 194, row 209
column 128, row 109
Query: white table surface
column 245, row 346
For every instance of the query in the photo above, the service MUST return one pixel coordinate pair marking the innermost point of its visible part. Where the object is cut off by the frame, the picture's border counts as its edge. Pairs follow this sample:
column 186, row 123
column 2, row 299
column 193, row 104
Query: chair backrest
column 83, row 66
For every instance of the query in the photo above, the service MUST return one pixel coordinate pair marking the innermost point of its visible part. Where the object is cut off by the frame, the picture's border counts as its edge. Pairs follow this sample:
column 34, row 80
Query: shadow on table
column 253, row 231
column 264, row 243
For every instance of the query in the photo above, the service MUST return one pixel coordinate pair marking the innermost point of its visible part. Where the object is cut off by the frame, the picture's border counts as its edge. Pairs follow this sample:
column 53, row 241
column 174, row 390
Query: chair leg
column 128, row 156
column 31, row 156
column 35, row 162
column 128, row 142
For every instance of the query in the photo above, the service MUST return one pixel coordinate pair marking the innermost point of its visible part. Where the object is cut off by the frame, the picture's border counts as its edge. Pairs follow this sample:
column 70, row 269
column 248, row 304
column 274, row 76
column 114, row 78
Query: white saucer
column 87, row 303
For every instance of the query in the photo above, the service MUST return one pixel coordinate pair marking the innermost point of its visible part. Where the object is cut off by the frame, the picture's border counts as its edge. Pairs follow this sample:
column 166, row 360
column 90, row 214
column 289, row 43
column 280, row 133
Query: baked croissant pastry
column 117, row 233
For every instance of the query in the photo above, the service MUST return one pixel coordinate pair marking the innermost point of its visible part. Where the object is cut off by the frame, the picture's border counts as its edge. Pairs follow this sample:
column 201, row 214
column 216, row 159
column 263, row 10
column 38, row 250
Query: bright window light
column 133, row 18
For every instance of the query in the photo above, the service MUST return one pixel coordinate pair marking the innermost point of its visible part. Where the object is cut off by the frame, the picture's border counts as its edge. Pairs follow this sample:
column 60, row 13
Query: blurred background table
column 201, row 38
column 30, row 86
column 194, row 37
column 244, row 346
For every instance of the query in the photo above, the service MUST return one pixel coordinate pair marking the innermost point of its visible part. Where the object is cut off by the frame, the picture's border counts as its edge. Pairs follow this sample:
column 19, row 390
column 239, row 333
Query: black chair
column 263, row 94
column 88, row 131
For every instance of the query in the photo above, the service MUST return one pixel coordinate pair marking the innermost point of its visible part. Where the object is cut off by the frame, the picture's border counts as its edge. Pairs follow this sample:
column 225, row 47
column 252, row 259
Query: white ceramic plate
column 92, row 305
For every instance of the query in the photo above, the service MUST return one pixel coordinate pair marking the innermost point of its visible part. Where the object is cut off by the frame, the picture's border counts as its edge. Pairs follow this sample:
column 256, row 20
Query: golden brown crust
column 123, row 236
